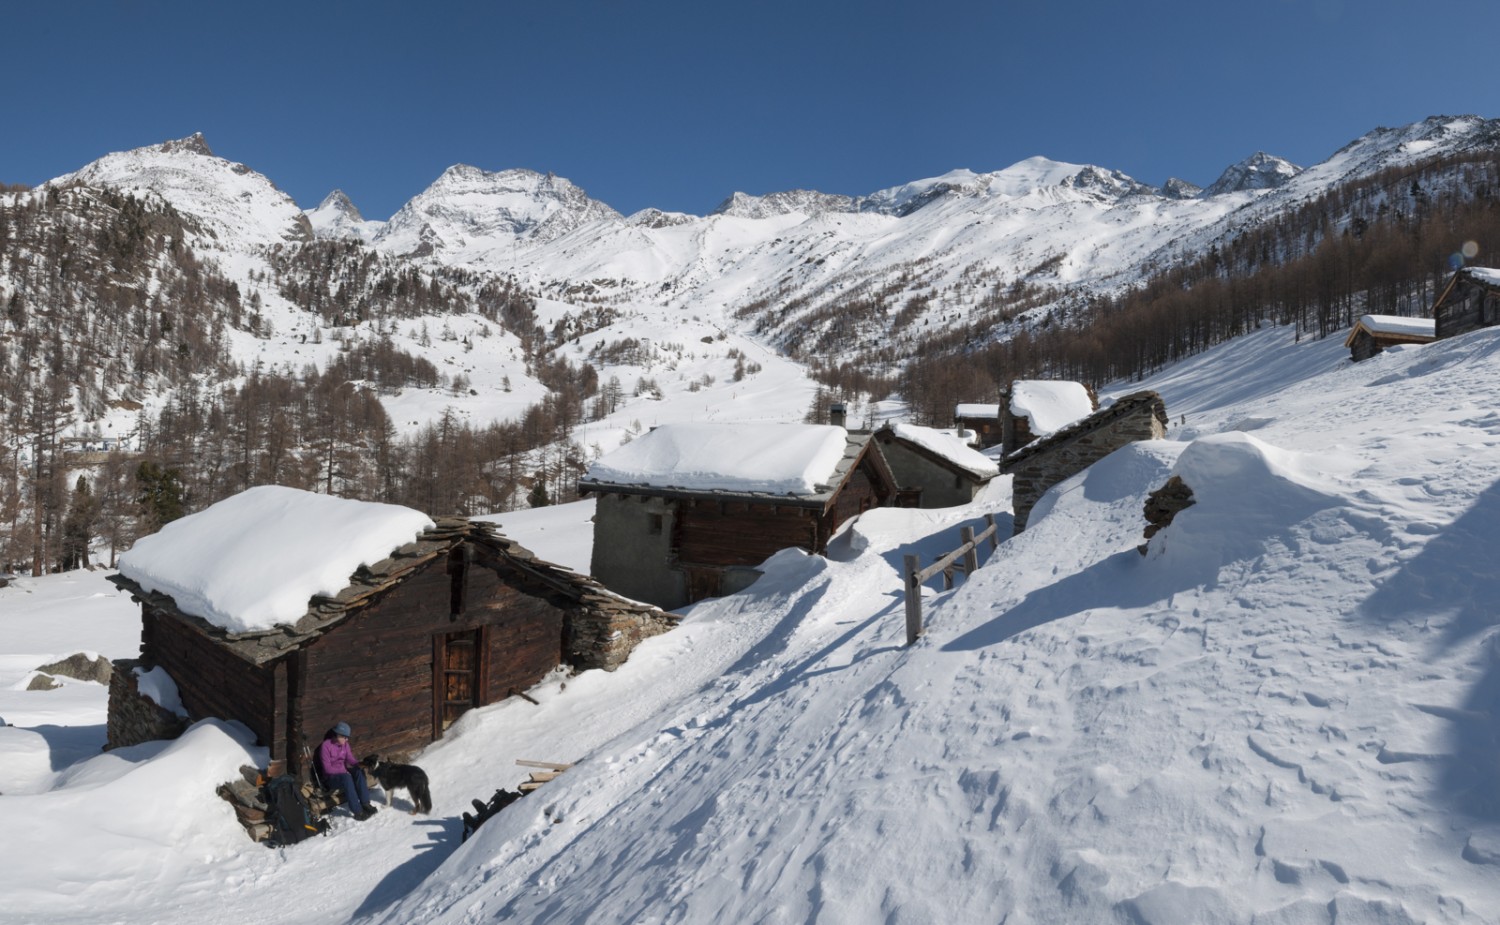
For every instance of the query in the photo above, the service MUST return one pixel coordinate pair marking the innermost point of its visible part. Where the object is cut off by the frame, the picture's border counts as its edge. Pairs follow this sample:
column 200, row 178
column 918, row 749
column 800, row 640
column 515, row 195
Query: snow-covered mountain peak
column 231, row 202
column 337, row 217
column 805, row 202
column 468, row 203
column 192, row 144
column 1259, row 171
column 339, row 203
column 1177, row 188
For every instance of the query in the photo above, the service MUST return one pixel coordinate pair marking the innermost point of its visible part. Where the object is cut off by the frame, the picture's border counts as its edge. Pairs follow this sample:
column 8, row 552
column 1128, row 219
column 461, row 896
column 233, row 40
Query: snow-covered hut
column 981, row 418
column 1036, row 408
column 933, row 468
column 1373, row 333
column 1471, row 300
column 289, row 611
column 1043, row 463
column 688, row 511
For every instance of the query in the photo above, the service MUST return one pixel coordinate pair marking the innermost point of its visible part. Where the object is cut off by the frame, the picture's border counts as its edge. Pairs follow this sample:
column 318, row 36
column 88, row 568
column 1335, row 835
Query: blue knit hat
column 341, row 729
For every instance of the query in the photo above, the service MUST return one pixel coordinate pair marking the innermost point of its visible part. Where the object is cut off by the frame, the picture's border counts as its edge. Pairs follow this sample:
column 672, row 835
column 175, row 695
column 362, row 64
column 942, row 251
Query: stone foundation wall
column 605, row 633
column 134, row 718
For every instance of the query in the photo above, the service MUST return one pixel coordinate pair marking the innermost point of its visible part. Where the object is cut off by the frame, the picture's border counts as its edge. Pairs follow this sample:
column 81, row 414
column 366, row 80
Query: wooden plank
column 549, row 765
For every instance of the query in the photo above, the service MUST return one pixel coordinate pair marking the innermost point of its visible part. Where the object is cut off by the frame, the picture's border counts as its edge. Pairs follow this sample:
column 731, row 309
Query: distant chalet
column 1374, row 333
column 1470, row 301
column 983, row 419
column 1038, row 466
column 933, row 468
column 456, row 617
column 687, row 511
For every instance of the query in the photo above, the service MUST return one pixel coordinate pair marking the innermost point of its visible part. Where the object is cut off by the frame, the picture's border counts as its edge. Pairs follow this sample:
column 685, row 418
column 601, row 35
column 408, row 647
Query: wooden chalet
column 1373, row 333
column 982, row 419
column 933, row 468
column 670, row 540
column 459, row 618
column 1470, row 301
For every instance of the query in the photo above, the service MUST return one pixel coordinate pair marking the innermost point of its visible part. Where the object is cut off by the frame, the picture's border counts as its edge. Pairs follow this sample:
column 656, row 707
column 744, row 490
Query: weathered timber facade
column 1039, row 466
column 926, row 479
column 1374, row 333
column 1470, row 301
column 982, row 419
column 672, row 547
column 460, row 618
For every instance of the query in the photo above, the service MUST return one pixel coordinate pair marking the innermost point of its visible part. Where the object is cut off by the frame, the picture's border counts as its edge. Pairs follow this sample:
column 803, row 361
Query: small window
column 654, row 521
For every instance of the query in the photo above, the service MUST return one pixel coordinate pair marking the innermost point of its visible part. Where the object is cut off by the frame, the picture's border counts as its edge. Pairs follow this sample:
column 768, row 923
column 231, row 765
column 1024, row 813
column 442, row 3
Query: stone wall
column 605, row 631
column 1036, row 468
column 133, row 717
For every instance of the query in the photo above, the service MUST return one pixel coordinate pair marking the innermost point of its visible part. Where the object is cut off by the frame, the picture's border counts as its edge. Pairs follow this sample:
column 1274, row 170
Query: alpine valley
column 168, row 307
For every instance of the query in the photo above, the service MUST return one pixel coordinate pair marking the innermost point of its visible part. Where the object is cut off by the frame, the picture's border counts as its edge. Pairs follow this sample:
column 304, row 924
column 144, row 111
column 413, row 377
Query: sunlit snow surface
column 1284, row 713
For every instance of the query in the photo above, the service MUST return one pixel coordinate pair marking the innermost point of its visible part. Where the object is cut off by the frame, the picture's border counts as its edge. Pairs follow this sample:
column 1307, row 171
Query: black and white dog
column 406, row 777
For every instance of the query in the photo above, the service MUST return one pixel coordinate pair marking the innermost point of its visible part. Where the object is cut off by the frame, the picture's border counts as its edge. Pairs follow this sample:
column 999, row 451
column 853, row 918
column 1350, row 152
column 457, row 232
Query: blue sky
column 677, row 104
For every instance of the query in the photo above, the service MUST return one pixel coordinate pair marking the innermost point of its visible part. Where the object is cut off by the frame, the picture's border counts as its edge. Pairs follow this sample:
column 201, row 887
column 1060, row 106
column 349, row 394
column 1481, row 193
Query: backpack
column 287, row 811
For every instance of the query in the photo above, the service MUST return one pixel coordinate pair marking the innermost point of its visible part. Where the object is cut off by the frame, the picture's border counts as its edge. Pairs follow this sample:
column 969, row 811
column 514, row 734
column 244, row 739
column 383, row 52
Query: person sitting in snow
column 341, row 771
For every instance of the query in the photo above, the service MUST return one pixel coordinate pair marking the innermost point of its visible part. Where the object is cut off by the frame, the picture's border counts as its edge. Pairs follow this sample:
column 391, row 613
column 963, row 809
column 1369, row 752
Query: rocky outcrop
column 1162, row 505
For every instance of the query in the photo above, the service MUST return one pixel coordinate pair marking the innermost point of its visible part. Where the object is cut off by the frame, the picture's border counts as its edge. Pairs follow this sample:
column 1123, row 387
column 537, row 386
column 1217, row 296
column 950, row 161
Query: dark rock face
column 1163, row 504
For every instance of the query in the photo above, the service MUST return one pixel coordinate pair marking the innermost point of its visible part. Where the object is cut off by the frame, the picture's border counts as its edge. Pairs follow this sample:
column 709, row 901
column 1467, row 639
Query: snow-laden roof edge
column 947, row 447
column 254, row 560
column 791, row 460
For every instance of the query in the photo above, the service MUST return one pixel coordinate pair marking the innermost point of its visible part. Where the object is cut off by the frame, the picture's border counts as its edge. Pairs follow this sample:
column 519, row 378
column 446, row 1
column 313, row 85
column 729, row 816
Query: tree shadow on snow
column 402, row 879
column 1456, row 579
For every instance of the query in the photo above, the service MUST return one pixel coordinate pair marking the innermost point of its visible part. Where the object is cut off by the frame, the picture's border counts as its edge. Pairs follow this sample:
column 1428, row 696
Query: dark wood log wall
column 376, row 669
column 740, row 533
column 1363, row 346
column 211, row 680
column 1468, row 307
column 861, row 491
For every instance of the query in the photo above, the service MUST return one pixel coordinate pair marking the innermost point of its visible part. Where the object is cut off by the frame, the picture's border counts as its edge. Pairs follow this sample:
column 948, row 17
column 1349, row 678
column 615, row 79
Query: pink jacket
column 335, row 757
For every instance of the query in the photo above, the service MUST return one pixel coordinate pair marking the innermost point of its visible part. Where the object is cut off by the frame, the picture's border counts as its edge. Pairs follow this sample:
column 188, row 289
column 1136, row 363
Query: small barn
column 1036, row 408
column 688, row 511
column 982, row 419
column 933, row 468
column 289, row 611
column 1045, row 462
column 1470, row 301
column 1373, row 333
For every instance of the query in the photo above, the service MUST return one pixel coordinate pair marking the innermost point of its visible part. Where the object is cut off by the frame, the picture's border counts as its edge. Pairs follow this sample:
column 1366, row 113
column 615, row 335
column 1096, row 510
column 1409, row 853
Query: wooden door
column 459, row 663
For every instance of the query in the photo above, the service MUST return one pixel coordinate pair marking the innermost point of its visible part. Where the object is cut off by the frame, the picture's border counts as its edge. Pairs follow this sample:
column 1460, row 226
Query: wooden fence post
column 971, row 558
column 913, row 599
column 994, row 532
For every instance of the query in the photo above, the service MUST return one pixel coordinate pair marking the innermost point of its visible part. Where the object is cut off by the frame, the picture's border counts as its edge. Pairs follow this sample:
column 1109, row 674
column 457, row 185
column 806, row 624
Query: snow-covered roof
column 254, row 560
column 945, row 444
column 778, row 459
column 976, row 410
column 1049, row 405
column 1396, row 325
column 1487, row 275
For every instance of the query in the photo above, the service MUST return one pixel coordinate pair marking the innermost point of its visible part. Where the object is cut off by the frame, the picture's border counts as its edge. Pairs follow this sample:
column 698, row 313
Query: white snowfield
column 1286, row 712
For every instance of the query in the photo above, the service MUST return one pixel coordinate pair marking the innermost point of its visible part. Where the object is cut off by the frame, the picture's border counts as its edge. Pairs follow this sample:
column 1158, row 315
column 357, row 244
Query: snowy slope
column 1285, row 713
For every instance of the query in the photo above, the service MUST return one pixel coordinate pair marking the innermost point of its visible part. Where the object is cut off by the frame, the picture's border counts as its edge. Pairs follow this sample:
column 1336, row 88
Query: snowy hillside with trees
column 1283, row 712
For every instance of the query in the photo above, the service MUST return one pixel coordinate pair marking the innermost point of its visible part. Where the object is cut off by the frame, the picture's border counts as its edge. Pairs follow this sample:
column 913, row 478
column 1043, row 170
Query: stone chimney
column 837, row 414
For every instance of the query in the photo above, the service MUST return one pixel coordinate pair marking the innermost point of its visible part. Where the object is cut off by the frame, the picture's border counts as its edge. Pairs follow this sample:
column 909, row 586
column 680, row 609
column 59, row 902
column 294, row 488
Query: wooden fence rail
column 965, row 557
